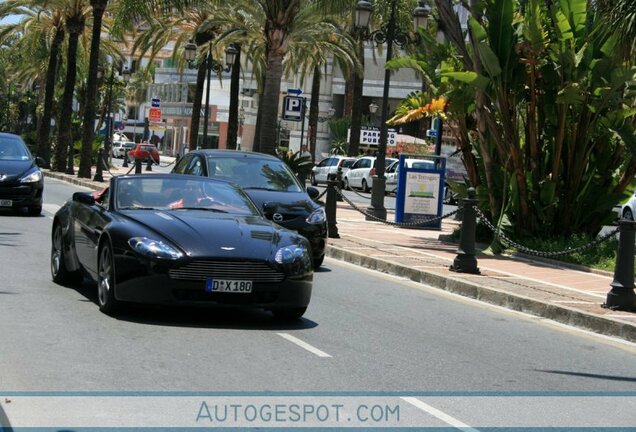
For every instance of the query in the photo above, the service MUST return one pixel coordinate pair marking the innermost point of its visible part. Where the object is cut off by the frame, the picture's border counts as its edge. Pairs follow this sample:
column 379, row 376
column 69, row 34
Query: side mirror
column 269, row 208
column 313, row 192
column 84, row 198
column 41, row 162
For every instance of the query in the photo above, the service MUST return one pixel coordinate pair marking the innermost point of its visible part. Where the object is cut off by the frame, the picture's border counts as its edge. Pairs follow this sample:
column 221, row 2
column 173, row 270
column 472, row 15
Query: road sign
column 371, row 136
column 122, row 126
column 431, row 133
column 294, row 91
column 156, row 102
column 154, row 115
column 293, row 108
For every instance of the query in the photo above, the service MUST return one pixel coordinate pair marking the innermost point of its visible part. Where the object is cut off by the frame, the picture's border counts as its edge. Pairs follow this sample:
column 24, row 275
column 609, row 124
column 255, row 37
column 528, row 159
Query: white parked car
column 628, row 210
column 120, row 147
column 361, row 172
column 329, row 166
column 393, row 171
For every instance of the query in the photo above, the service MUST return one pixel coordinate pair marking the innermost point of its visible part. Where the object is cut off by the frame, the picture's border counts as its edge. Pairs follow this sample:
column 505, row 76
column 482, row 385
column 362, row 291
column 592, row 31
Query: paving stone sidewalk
column 567, row 295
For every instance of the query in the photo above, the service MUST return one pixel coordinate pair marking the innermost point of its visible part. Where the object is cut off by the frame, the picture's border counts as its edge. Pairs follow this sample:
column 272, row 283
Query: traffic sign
column 431, row 133
column 155, row 102
column 154, row 115
column 294, row 91
column 122, row 126
column 293, row 108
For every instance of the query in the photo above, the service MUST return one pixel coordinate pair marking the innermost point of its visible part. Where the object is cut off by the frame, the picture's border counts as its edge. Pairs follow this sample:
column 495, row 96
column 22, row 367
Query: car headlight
column 32, row 177
column 154, row 248
column 318, row 216
column 290, row 254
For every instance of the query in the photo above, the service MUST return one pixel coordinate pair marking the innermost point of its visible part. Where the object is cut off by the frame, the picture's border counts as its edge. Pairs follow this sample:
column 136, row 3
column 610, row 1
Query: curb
column 76, row 180
column 561, row 314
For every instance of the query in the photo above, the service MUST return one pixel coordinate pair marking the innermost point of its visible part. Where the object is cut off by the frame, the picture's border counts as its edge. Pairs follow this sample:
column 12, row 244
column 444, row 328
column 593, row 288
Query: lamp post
column 390, row 36
column 211, row 65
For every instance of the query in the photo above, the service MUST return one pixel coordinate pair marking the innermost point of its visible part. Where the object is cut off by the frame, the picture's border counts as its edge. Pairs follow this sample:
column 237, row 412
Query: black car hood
column 13, row 169
column 290, row 203
column 203, row 233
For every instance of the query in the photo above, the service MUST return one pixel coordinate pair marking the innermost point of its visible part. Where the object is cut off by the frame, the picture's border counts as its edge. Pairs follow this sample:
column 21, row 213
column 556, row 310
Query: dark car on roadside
column 271, row 184
column 21, row 181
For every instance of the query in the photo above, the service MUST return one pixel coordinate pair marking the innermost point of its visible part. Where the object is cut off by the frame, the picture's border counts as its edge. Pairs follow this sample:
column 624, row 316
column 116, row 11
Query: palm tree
column 75, row 21
column 315, row 40
column 88, row 124
column 620, row 17
column 44, row 20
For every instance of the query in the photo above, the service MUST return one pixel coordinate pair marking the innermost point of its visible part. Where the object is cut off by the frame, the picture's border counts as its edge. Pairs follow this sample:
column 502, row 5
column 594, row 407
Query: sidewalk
column 566, row 295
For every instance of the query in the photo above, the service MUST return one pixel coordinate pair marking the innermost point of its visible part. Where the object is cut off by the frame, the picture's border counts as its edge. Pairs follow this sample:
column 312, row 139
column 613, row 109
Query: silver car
column 329, row 167
column 120, row 147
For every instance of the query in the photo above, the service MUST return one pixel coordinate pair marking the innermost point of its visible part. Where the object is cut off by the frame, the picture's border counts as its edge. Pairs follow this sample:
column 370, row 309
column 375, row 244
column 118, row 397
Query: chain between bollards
column 465, row 261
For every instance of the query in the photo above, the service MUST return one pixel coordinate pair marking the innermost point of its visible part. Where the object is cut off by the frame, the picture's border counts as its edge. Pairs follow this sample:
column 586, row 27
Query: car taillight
column 372, row 172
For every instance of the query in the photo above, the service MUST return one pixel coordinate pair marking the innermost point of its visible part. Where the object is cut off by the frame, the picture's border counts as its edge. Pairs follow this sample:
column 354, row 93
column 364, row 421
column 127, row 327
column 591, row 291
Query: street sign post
column 293, row 108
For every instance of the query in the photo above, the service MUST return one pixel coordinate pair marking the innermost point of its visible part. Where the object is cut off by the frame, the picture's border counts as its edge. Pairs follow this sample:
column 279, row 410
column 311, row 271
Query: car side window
column 195, row 167
column 182, row 165
column 333, row 162
column 324, row 163
column 366, row 163
column 355, row 165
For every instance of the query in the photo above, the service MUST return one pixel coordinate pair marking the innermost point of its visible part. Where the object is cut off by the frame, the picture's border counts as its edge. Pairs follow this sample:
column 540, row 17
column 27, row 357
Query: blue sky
column 10, row 19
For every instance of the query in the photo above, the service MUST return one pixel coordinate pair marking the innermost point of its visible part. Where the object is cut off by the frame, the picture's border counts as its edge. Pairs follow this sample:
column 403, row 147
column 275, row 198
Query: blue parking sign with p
column 293, row 107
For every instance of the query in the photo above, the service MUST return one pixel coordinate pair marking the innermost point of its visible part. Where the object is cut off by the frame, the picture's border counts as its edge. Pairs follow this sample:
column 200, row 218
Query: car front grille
column 257, row 272
column 14, row 190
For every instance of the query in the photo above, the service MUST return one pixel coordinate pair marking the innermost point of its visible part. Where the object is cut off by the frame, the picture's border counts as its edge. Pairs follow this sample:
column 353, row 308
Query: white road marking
column 50, row 208
column 439, row 414
column 572, row 302
column 312, row 349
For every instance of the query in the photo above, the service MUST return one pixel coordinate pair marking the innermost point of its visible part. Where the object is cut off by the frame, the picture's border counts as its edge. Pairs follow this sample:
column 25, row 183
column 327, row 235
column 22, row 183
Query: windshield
column 12, row 148
column 161, row 193
column 252, row 173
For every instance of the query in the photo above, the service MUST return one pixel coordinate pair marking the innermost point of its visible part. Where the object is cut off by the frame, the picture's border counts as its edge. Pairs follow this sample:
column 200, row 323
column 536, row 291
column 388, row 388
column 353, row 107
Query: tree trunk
column 65, row 135
column 269, row 105
column 88, row 124
column 256, row 143
column 314, row 111
column 44, row 130
column 348, row 96
column 233, row 120
column 356, row 108
column 196, row 106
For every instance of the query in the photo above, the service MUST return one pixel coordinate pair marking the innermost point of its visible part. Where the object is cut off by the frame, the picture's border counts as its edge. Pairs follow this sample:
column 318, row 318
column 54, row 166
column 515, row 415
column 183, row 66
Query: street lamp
column 390, row 36
column 211, row 65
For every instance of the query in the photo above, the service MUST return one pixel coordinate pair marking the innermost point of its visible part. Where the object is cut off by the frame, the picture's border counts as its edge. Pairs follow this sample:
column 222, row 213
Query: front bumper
column 22, row 194
column 154, row 284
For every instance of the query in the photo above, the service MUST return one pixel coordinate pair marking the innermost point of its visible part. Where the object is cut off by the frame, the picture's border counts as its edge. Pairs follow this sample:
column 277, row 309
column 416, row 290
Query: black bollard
column 149, row 166
column 621, row 296
column 465, row 261
column 339, row 183
column 125, row 164
column 137, row 166
column 100, row 168
column 330, row 209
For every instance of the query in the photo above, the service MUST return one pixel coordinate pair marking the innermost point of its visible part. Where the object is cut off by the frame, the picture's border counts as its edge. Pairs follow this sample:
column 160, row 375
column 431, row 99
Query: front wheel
column 312, row 180
column 346, row 184
column 318, row 262
column 106, row 281
column 289, row 314
column 35, row 211
column 365, row 187
column 59, row 272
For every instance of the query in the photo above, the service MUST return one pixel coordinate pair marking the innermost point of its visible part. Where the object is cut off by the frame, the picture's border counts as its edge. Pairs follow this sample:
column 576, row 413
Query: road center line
column 439, row 414
column 303, row 344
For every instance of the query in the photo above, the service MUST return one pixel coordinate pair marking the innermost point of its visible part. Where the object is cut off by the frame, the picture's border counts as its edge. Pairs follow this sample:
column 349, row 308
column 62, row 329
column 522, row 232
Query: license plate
column 228, row 285
column 6, row 203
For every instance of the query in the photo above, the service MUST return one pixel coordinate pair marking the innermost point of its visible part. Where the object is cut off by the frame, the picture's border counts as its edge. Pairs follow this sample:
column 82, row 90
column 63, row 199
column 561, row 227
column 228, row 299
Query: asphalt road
column 363, row 332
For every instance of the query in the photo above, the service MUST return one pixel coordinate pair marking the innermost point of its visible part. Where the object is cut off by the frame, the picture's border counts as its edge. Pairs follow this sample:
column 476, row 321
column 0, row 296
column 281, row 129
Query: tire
column 312, row 180
column 106, row 281
column 60, row 274
column 318, row 262
column 365, row 187
column 346, row 184
column 627, row 214
column 289, row 314
column 35, row 211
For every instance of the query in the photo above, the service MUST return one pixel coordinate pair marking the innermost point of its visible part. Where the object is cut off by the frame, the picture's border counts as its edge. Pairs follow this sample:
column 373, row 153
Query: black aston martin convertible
column 175, row 239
